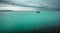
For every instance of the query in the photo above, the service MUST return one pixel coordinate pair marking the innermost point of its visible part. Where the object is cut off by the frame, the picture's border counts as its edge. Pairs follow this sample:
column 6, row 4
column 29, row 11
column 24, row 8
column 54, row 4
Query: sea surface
column 27, row 21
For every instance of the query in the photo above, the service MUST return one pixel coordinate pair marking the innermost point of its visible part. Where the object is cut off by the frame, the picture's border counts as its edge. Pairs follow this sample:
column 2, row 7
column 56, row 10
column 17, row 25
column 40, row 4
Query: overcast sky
column 41, row 4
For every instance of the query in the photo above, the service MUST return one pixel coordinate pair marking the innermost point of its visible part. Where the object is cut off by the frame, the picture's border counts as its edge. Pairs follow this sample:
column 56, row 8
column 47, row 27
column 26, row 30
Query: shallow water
column 22, row 21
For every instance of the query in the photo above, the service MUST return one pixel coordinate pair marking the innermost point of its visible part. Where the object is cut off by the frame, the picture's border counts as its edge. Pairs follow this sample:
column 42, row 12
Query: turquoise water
column 15, row 21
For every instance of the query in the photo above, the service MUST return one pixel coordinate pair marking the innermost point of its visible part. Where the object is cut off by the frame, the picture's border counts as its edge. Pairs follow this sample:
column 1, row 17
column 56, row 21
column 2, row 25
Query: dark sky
column 42, row 4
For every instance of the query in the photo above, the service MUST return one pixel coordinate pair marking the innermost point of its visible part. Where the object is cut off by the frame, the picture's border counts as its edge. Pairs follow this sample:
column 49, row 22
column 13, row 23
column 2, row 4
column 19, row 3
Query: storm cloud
column 40, row 4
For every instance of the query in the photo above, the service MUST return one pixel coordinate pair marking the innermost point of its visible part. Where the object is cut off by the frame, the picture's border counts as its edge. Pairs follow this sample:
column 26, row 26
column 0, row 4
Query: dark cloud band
column 41, row 4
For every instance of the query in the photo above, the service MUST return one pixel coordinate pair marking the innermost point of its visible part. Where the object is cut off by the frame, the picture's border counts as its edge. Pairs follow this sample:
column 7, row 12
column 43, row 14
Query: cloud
column 15, row 8
column 41, row 4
